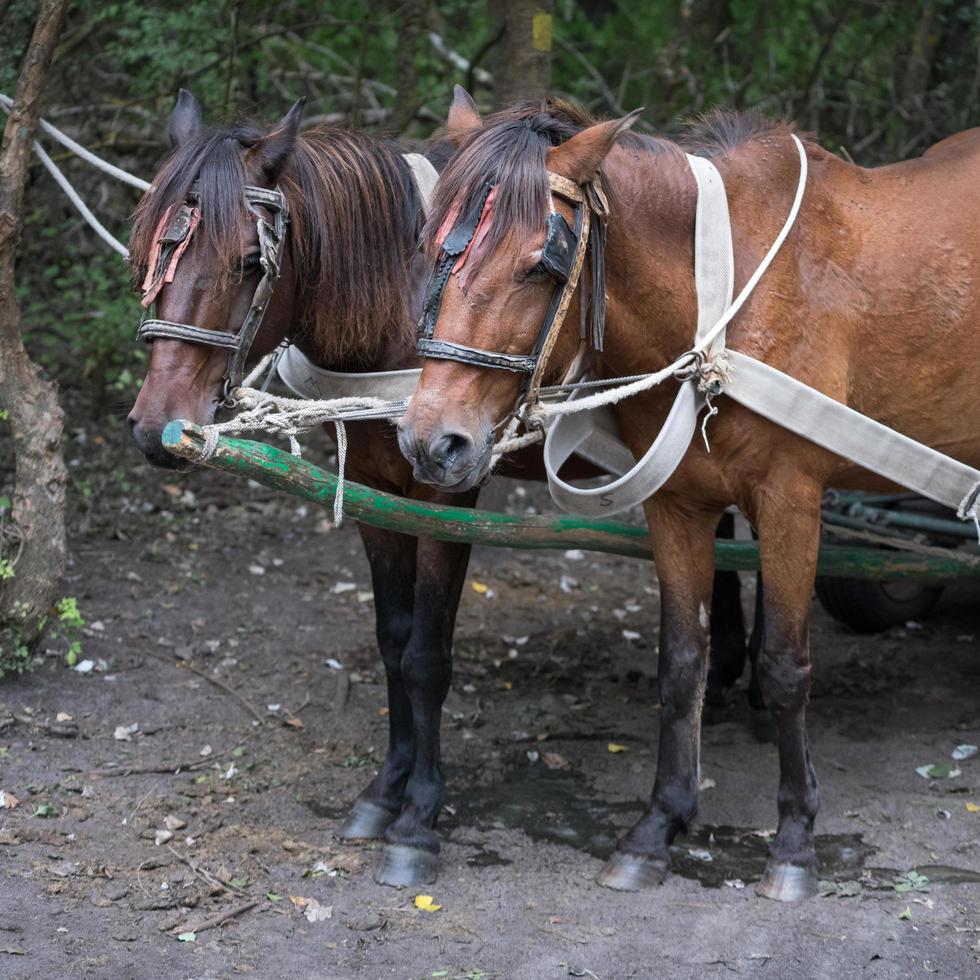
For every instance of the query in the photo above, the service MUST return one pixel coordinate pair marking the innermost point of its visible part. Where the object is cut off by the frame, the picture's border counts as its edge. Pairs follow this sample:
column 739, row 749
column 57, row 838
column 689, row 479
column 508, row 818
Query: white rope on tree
column 62, row 181
column 6, row 103
column 88, row 156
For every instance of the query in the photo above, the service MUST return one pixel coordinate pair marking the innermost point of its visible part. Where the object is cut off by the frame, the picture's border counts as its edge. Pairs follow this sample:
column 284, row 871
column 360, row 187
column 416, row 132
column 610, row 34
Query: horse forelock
column 212, row 162
column 509, row 153
column 355, row 219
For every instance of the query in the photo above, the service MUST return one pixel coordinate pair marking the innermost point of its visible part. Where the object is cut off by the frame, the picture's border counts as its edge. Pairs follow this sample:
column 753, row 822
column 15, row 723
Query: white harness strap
column 714, row 278
column 425, row 176
column 831, row 424
column 759, row 387
column 302, row 377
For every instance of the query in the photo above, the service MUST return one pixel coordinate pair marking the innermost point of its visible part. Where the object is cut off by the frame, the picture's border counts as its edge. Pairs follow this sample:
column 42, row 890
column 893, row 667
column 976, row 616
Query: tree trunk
column 30, row 402
column 522, row 61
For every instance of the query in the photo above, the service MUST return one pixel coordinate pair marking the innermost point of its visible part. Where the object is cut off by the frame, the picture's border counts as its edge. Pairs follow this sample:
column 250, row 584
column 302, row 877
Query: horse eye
column 535, row 274
column 250, row 262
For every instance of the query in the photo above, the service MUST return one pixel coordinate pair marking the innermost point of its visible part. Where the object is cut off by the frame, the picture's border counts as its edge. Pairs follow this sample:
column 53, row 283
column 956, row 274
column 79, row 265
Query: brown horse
column 873, row 300
column 348, row 296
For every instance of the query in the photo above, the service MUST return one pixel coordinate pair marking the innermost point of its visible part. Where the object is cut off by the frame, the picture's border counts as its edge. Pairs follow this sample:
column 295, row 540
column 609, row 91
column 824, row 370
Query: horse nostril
column 447, row 448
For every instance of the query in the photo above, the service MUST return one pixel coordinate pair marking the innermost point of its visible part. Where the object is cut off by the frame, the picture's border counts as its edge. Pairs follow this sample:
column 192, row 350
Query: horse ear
column 581, row 156
column 270, row 153
column 464, row 117
column 186, row 119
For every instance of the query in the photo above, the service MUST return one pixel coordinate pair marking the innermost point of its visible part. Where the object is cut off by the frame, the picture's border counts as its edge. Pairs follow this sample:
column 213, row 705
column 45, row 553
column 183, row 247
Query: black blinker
column 460, row 234
column 559, row 248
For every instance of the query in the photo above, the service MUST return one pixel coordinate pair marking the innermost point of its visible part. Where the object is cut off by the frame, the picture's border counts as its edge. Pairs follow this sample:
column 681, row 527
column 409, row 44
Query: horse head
column 208, row 244
column 507, row 238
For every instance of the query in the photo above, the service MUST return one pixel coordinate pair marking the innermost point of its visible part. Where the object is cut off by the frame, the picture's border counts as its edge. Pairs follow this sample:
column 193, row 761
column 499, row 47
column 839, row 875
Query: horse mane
column 721, row 131
column 510, row 148
column 355, row 218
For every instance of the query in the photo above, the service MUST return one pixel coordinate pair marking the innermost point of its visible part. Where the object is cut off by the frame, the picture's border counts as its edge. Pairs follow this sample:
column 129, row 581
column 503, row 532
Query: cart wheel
column 871, row 606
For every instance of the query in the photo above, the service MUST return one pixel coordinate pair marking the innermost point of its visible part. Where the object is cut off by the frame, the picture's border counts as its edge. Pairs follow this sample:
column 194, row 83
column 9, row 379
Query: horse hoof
column 366, row 821
column 787, row 883
column 631, row 873
column 402, row 866
column 762, row 726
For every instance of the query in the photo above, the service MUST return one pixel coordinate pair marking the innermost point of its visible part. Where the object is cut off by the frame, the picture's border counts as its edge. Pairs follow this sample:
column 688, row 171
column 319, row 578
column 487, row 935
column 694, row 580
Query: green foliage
column 64, row 627
column 67, row 626
column 84, row 315
column 15, row 657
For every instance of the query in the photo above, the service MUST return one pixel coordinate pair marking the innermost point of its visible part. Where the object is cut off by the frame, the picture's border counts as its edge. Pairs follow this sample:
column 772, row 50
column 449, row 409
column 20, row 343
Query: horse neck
column 652, row 302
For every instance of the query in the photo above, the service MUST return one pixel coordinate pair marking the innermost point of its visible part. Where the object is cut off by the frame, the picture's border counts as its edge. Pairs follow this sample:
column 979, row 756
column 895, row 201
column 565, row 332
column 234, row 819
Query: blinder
column 558, row 253
column 175, row 238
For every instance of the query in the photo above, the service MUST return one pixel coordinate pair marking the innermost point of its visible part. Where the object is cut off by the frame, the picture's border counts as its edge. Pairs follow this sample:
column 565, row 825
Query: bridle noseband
column 272, row 244
column 562, row 258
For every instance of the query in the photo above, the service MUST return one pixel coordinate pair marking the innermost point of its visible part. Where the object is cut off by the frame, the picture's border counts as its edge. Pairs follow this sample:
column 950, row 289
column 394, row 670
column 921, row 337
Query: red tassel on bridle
column 156, row 279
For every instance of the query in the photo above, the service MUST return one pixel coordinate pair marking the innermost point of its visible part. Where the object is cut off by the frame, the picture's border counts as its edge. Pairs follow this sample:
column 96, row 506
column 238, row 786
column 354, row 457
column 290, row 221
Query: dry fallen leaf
column 63, row 716
column 424, row 902
column 294, row 722
column 554, row 761
column 480, row 588
column 615, row 747
column 973, row 808
column 315, row 912
column 7, row 800
column 312, row 909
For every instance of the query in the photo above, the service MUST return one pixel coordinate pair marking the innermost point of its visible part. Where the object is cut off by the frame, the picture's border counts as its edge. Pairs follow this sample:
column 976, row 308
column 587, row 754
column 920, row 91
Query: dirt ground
column 185, row 581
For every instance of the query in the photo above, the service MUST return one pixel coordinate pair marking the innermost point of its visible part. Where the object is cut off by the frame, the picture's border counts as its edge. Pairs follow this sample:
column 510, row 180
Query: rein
column 174, row 236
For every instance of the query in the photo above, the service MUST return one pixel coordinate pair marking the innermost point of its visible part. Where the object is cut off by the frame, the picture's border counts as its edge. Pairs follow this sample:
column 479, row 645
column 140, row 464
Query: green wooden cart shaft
column 281, row 471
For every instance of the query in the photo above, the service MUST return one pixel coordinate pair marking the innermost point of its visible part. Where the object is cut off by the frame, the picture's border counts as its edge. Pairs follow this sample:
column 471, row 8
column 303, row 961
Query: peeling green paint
column 279, row 470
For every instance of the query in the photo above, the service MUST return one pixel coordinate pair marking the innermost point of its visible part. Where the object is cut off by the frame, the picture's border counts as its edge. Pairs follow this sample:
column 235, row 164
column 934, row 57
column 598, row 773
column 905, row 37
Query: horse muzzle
column 148, row 438
column 447, row 459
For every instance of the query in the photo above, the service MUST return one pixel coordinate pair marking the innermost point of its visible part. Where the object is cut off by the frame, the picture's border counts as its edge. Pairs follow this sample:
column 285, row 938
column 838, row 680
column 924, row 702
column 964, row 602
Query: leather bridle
column 562, row 257
column 272, row 244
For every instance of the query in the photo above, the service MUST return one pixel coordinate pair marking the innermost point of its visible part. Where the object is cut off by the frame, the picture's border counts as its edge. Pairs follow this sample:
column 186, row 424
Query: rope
column 338, row 500
column 6, row 103
column 82, row 207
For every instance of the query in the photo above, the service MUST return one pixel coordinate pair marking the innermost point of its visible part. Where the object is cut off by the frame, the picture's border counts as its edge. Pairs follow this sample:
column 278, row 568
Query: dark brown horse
column 873, row 300
column 348, row 296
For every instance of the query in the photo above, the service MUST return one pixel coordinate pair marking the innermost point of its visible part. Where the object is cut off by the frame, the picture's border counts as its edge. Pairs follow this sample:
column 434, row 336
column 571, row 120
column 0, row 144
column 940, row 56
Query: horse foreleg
column 411, row 849
column 727, row 633
column 788, row 520
column 392, row 560
column 761, row 725
column 683, row 545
